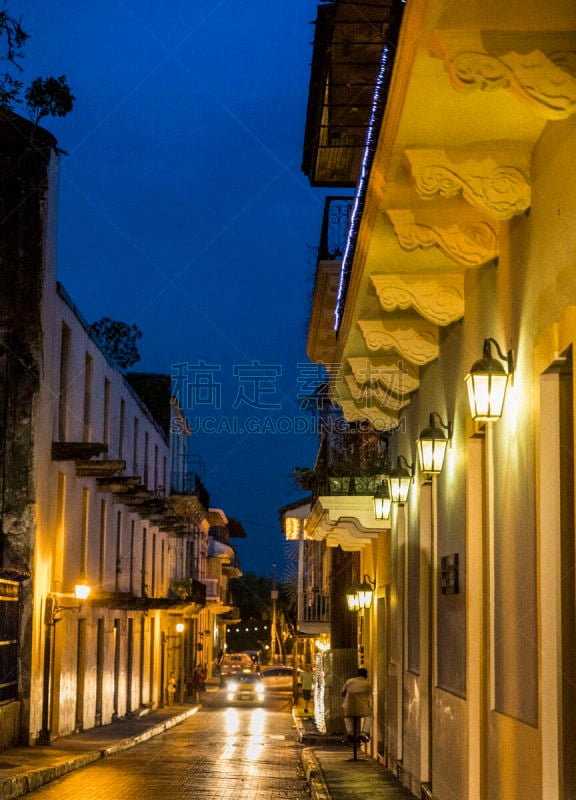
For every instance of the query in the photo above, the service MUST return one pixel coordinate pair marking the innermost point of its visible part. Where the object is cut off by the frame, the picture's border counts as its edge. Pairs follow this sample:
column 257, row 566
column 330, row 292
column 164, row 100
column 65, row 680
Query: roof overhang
column 472, row 88
column 345, row 521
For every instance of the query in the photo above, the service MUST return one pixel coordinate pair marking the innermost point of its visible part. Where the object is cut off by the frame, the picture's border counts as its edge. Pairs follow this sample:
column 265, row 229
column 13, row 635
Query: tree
column 45, row 96
column 13, row 38
column 49, row 97
column 303, row 478
column 118, row 341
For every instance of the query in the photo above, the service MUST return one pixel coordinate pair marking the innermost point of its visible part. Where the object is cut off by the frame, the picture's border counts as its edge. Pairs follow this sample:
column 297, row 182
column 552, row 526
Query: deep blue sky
column 183, row 210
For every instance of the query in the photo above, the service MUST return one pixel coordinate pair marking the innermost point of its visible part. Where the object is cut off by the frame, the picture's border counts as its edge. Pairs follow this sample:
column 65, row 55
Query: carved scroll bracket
column 469, row 243
column 501, row 190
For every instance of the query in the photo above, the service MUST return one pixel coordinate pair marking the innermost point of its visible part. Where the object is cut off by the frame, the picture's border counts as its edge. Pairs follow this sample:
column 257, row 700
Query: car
column 233, row 664
column 247, row 687
column 278, row 677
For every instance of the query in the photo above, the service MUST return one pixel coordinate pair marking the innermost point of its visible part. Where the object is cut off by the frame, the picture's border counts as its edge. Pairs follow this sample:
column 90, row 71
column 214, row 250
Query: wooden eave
column 77, row 451
column 129, row 602
column 190, row 506
column 99, row 469
column 118, row 484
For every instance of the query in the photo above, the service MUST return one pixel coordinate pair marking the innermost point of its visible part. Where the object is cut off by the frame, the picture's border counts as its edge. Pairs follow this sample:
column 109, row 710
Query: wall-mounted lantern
column 400, row 479
column 487, row 382
column 432, row 444
column 382, row 500
column 360, row 597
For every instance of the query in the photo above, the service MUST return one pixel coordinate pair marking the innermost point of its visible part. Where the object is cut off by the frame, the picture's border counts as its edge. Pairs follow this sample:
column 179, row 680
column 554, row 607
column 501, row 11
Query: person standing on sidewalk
column 307, row 683
column 357, row 705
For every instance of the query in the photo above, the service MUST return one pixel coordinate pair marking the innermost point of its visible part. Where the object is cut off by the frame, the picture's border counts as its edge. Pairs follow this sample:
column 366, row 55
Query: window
column 64, row 381
column 155, row 467
column 102, row 553
column 58, row 573
column 135, row 448
column 84, row 533
column 154, row 565
column 121, row 428
column 146, row 459
column 106, row 430
column 9, row 625
column 118, row 551
column 143, row 587
column 132, row 539
column 88, row 376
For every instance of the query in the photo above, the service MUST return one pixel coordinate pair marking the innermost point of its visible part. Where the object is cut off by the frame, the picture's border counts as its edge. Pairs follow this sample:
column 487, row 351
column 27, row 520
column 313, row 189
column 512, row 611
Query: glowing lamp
column 382, row 501
column 352, row 599
column 81, row 591
column 432, row 445
column 487, row 382
column 400, row 480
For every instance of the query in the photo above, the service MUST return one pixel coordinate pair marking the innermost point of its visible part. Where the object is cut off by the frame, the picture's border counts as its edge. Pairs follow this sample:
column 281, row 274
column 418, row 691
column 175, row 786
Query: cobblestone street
column 219, row 753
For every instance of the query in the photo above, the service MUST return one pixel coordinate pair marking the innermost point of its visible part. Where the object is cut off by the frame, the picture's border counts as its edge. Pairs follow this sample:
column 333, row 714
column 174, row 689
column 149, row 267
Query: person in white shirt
column 357, row 703
column 307, row 678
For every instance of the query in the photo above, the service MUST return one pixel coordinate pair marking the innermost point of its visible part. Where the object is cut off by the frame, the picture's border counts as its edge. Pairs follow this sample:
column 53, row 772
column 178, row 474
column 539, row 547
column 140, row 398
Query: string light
column 369, row 148
column 359, row 198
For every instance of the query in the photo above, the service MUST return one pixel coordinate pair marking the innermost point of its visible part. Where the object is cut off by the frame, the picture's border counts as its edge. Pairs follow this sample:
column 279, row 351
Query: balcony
column 321, row 335
column 212, row 589
column 217, row 597
column 314, row 612
column 190, row 590
column 348, row 485
column 334, row 228
column 346, row 61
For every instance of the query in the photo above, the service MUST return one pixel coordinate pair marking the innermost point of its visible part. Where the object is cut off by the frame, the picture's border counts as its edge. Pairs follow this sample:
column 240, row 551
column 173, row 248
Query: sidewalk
column 333, row 774
column 23, row 769
column 329, row 766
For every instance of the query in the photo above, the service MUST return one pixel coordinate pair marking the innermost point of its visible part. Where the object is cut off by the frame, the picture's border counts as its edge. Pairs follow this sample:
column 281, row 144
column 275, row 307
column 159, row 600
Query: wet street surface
column 245, row 753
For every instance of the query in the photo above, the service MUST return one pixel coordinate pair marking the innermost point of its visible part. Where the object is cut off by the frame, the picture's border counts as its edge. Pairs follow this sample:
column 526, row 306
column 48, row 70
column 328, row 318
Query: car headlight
column 260, row 688
column 232, row 686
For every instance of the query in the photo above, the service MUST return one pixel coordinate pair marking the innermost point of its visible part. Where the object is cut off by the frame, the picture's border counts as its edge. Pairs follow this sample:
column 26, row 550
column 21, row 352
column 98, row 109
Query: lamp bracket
column 448, row 426
column 409, row 467
column 53, row 609
column 507, row 357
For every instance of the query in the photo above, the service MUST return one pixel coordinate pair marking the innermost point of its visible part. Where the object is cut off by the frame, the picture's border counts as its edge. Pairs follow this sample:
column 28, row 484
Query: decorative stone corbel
column 437, row 298
column 375, row 395
column 540, row 72
column 392, row 373
column 415, row 340
column 469, row 243
column 501, row 190
column 358, row 413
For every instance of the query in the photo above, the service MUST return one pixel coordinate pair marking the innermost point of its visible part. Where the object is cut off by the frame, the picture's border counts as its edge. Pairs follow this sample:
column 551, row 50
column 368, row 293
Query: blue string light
column 367, row 157
column 369, row 147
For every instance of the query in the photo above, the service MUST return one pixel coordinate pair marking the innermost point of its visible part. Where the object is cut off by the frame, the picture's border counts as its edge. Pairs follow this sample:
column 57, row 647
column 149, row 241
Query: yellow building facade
column 463, row 230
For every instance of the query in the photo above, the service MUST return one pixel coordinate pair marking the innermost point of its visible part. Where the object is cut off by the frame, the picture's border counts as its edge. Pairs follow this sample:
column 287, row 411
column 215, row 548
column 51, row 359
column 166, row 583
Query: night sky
column 183, row 210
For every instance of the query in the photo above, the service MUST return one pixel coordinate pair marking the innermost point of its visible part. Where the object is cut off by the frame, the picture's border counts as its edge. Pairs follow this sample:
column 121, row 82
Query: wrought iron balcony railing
column 347, row 485
column 314, row 607
column 334, row 228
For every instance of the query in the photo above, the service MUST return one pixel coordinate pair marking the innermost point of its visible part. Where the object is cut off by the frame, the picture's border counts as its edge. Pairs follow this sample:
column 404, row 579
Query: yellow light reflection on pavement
column 244, row 735
column 254, row 749
column 257, row 721
column 232, row 721
column 232, row 725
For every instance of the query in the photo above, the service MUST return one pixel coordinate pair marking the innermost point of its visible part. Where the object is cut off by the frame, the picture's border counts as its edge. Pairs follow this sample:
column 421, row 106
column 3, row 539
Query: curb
column 19, row 785
column 314, row 776
column 124, row 744
column 298, row 725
